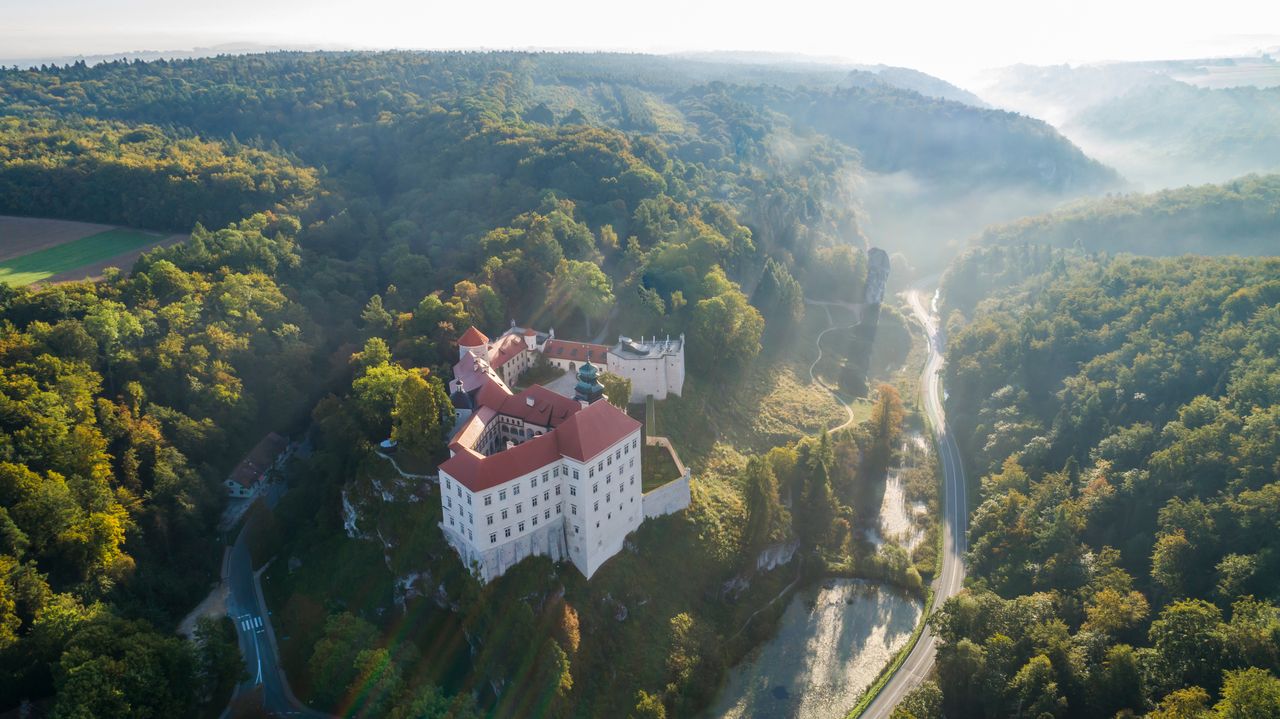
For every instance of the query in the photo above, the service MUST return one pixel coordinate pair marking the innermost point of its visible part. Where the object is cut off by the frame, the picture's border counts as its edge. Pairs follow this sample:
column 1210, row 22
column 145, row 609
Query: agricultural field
column 40, row 250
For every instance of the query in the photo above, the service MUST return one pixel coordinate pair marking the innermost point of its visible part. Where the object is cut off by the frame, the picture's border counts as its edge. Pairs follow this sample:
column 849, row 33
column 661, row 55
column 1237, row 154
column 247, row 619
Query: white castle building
column 537, row 473
column 655, row 366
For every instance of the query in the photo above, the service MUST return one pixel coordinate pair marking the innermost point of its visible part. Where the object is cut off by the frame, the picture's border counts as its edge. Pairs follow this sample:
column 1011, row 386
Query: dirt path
column 848, row 410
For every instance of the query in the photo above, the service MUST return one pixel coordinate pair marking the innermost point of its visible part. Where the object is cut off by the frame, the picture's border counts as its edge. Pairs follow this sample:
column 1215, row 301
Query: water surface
column 831, row 643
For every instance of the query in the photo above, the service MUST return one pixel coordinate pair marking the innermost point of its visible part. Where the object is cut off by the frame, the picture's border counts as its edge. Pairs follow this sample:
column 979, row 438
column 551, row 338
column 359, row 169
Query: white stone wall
column 609, row 504
column 669, row 498
column 657, row 374
column 549, row 512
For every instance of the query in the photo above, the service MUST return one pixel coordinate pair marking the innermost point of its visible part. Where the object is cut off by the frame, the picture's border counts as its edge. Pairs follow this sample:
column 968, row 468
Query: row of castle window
column 506, row 531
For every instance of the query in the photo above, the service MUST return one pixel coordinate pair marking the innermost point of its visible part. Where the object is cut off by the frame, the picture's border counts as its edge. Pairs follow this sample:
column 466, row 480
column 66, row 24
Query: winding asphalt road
column 955, row 519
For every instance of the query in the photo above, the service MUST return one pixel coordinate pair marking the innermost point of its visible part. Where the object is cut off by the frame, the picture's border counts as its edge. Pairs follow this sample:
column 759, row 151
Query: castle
column 539, row 473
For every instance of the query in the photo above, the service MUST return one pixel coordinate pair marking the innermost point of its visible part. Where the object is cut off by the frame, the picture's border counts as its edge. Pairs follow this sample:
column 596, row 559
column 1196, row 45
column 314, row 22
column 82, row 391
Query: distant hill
column 914, row 80
column 940, row 141
column 1159, row 123
column 1241, row 217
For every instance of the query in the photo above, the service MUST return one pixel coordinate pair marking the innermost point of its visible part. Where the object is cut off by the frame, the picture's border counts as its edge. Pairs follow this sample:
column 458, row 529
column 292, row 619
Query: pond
column 832, row 642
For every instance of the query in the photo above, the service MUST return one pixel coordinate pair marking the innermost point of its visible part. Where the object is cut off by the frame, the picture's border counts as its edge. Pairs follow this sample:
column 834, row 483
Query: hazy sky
column 951, row 38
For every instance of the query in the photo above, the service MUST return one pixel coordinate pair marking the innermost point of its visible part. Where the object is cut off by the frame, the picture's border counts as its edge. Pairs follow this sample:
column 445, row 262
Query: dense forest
column 1120, row 416
column 1241, row 217
column 351, row 214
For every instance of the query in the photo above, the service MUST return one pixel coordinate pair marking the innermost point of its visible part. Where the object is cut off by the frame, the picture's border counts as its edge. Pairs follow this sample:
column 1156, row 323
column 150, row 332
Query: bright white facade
column 535, row 473
column 654, row 366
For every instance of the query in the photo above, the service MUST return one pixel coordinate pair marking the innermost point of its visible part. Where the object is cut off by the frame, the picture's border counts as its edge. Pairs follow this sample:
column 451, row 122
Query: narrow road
column 248, row 610
column 955, row 519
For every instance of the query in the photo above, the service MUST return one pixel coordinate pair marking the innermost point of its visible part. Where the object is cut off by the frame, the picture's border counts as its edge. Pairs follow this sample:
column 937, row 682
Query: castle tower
column 588, row 389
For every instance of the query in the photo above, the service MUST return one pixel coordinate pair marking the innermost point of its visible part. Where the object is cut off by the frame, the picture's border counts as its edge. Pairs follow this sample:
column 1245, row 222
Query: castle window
column 493, row 538
column 608, row 497
column 515, row 490
column 448, row 502
column 610, row 458
column 595, row 488
column 557, row 490
column 468, row 499
column 504, row 514
column 533, row 482
column 519, row 509
column 521, row 527
column 448, row 484
column 633, row 462
column 547, row 494
column 573, row 491
column 558, row 506
column 575, row 474
column 502, row 496
column 546, row 514
column 535, row 501
column 591, row 472
column 488, row 499
column 576, row 529
column 573, row 509
column 595, row 506
column 600, row 466
column 544, row 477
column 535, row 520
column 555, row 471
column 470, row 535
column 488, row 519
column 450, row 521
column 506, row 531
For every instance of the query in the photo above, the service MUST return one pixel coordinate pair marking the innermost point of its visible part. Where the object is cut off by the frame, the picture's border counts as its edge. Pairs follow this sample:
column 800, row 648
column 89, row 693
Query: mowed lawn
column 43, row 264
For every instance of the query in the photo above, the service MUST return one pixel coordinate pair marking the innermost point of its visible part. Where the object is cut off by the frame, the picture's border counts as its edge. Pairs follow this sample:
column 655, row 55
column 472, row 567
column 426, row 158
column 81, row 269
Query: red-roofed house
column 248, row 475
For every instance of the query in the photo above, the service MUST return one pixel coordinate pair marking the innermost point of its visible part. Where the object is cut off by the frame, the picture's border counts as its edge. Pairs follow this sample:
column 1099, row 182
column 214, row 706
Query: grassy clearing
column 43, row 264
column 657, row 468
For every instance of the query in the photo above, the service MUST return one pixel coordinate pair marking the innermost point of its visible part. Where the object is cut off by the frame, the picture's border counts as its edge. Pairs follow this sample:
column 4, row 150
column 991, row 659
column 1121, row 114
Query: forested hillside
column 139, row 175
column 1150, row 120
column 1241, row 217
column 358, row 211
column 1121, row 415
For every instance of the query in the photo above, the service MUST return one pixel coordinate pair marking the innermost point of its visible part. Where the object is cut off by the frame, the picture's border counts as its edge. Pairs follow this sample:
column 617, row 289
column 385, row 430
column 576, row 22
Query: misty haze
column 711, row 361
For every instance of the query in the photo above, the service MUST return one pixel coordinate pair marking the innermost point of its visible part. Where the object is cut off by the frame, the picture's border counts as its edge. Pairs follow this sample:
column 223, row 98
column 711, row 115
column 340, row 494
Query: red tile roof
column 508, row 347
column 576, row 351
column 478, row 473
column 259, row 459
column 548, row 409
column 582, row 436
column 593, row 430
column 472, row 338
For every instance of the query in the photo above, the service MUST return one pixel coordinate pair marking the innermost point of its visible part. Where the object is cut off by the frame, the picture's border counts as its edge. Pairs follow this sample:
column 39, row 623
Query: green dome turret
column 588, row 388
